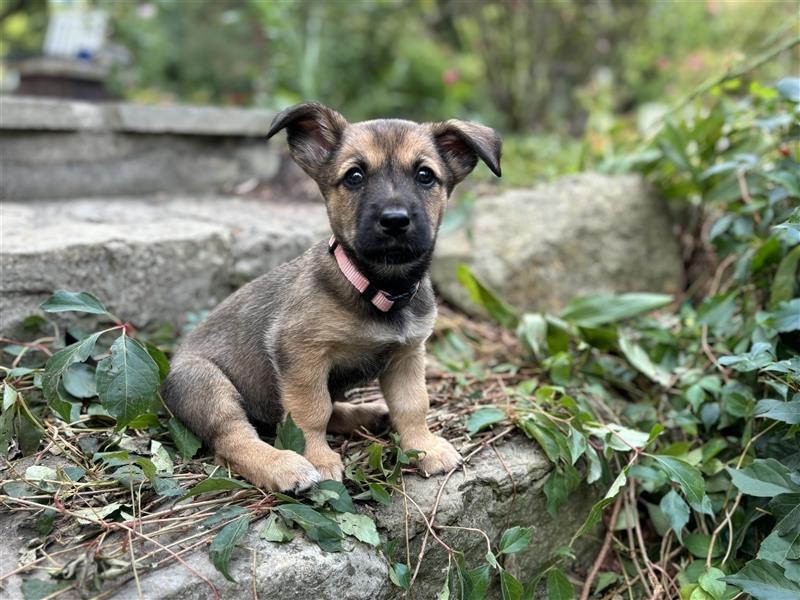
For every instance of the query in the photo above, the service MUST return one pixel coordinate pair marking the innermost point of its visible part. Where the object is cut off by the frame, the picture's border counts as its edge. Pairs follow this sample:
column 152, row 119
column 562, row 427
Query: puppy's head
column 385, row 182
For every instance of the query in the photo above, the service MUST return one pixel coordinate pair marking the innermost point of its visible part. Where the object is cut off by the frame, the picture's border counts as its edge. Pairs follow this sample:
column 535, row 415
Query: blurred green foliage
column 591, row 73
column 518, row 64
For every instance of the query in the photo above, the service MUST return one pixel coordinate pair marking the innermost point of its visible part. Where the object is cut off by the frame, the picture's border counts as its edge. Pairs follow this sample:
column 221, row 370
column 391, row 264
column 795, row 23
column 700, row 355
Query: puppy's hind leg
column 347, row 417
column 203, row 397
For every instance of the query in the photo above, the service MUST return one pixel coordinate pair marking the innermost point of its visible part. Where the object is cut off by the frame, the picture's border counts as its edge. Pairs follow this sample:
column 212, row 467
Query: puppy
column 351, row 309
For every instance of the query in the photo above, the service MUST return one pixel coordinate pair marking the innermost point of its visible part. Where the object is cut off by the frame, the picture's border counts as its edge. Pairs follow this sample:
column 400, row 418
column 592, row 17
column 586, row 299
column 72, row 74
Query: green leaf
column 559, row 485
column 223, row 544
column 779, row 549
column 607, row 308
column 577, row 444
column 185, row 441
column 98, row 513
column 676, row 511
column 400, row 575
column 711, row 581
column 341, row 501
column 326, row 532
column 160, row 359
column 498, row 309
column 783, row 504
column 641, row 361
column 79, row 381
column 699, row 543
column 515, row 539
column 275, row 530
column 40, row 473
column 290, row 437
column 510, row 588
column 224, row 514
column 63, row 301
column 484, row 417
column 167, row 486
column 379, row 494
column 444, row 593
column 760, row 355
column 161, row 459
column 215, row 484
column 790, row 524
column 532, row 330
column 58, row 363
column 361, row 527
column 37, row 589
column 763, row 478
column 558, row 586
column 597, row 508
column 785, row 280
column 618, row 437
column 688, row 478
column 45, row 521
column 786, row 412
column 548, row 438
column 9, row 395
column 764, row 580
column 605, row 579
column 786, row 316
column 127, row 381
column 476, row 582
column 595, row 466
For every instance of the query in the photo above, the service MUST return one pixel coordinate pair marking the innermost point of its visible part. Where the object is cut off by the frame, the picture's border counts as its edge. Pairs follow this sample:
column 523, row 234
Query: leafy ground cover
column 685, row 411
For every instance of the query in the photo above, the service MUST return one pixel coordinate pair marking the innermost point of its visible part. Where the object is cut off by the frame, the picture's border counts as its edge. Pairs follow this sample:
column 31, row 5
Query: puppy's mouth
column 391, row 254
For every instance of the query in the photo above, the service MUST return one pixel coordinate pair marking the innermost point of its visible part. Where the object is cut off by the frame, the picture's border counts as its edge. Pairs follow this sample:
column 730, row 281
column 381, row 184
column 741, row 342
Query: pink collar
column 383, row 301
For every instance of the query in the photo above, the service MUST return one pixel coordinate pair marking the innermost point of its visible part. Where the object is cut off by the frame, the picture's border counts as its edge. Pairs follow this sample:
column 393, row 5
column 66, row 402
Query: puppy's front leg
column 403, row 386
column 305, row 396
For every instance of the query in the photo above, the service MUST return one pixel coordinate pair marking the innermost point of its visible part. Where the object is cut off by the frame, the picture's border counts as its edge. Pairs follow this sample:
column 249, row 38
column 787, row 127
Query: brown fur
column 294, row 340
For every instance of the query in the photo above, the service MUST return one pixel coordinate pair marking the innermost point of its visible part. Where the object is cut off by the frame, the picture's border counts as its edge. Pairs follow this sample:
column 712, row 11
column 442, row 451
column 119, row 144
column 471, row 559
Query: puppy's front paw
column 328, row 464
column 439, row 457
column 291, row 473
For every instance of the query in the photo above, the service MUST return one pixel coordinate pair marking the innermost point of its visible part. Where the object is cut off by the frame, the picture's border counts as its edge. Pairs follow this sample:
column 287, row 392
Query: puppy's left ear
column 462, row 143
column 312, row 130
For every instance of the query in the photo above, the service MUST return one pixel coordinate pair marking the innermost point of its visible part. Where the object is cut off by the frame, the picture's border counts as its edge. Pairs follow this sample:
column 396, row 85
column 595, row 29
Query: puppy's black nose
column 394, row 221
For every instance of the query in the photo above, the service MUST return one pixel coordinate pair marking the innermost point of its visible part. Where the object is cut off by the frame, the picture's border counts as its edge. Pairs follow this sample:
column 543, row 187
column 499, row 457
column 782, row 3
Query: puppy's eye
column 354, row 177
column 425, row 177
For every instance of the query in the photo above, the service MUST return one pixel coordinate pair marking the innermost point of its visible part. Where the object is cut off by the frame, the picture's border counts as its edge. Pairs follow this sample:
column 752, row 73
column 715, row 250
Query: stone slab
column 152, row 260
column 21, row 113
column 75, row 164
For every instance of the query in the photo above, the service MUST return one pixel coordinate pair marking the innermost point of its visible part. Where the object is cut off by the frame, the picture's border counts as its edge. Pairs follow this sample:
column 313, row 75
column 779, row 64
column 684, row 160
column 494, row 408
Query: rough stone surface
column 20, row 113
column 151, row 260
column 71, row 164
column 298, row 570
column 498, row 490
column 580, row 235
column 66, row 149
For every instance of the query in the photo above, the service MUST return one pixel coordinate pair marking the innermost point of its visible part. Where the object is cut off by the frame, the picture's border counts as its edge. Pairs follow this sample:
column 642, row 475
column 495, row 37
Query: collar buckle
column 407, row 295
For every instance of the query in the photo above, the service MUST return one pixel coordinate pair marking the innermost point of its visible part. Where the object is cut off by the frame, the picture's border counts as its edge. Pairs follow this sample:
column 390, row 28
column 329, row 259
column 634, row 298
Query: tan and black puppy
column 344, row 313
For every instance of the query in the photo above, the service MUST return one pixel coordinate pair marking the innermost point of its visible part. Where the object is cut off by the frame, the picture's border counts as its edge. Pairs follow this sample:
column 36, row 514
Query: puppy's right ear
column 312, row 130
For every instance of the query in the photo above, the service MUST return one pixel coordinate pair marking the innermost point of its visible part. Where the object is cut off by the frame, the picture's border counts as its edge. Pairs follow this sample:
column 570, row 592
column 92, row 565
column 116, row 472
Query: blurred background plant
column 588, row 72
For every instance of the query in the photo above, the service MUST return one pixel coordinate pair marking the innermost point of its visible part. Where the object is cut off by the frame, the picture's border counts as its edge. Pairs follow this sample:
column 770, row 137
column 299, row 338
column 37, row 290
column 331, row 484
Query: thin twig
column 601, row 556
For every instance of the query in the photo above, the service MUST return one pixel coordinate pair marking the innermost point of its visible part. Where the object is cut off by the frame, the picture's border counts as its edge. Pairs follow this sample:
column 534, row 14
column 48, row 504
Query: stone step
column 58, row 148
column 150, row 259
column 498, row 489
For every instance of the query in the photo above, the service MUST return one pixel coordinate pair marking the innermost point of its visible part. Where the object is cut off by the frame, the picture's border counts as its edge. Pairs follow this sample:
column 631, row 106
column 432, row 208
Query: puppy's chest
column 367, row 353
